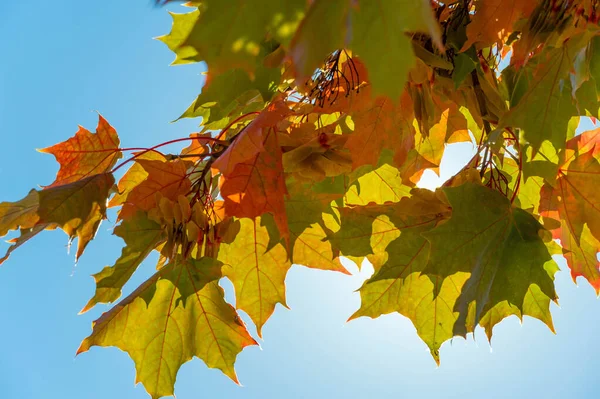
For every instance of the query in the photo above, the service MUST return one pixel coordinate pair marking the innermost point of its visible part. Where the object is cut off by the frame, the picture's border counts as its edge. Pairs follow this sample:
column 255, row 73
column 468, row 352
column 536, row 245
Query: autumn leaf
column 169, row 179
column 20, row 214
column 77, row 208
column 494, row 20
column 176, row 314
column 315, row 154
column 379, row 38
column 574, row 202
column 382, row 125
column 319, row 119
column 86, row 154
column 322, row 31
column 376, row 32
column 253, row 180
column 381, row 185
column 133, row 176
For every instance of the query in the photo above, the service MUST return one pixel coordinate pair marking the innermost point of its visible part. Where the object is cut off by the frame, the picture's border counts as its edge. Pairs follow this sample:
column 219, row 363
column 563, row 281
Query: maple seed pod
column 193, row 231
column 166, row 208
column 199, row 216
column 177, row 214
column 184, row 204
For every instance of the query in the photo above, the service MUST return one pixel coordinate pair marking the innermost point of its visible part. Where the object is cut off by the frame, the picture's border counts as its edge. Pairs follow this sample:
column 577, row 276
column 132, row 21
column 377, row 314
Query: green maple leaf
column 398, row 284
column 141, row 236
column 379, row 37
column 498, row 245
column 176, row 314
column 375, row 30
column 256, row 271
column 227, row 35
column 175, row 40
column 306, row 210
column 234, row 92
column 542, row 102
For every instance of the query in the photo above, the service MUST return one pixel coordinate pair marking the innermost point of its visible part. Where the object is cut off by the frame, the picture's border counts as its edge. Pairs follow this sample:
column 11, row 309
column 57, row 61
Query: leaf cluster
column 318, row 120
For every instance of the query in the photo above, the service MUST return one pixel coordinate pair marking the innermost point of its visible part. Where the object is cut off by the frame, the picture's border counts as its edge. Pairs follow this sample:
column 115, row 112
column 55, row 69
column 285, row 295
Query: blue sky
column 63, row 60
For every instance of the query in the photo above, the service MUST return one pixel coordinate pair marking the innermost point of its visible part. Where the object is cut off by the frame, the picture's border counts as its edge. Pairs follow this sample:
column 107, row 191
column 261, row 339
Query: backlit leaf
column 500, row 246
column 141, row 236
column 176, row 314
column 256, row 271
column 86, row 154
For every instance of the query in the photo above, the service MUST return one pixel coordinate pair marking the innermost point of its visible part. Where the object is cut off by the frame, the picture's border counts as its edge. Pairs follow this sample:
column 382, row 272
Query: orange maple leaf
column 86, row 153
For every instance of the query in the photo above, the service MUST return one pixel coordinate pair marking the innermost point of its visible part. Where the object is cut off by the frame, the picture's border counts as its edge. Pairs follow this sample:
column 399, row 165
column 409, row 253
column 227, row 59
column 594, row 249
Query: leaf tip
column 84, row 347
column 91, row 303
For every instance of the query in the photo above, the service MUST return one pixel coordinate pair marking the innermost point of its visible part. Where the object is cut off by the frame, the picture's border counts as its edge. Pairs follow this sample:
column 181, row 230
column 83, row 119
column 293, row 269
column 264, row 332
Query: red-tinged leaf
column 133, row 177
column 86, row 153
column 169, row 179
column 575, row 201
column 252, row 180
column 257, row 185
column 197, row 146
column 313, row 155
column 493, row 20
column 382, row 125
column 251, row 140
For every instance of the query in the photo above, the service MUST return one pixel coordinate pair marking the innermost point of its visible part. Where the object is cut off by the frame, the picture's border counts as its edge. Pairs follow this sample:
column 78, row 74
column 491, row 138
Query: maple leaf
column 493, row 20
column 379, row 186
column 379, row 38
column 253, row 180
column 176, row 314
column 318, row 119
column 256, row 270
column 217, row 35
column 382, row 125
column 169, row 179
column 541, row 102
column 375, row 30
column 133, row 177
column 398, row 284
column 315, row 154
column 141, row 236
column 498, row 245
column 306, row 210
column 20, row 214
column 77, row 208
column 574, row 201
column 86, row 154
column 315, row 39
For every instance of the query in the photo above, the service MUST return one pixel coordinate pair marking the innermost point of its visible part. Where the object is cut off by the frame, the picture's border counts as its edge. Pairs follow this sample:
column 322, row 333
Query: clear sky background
column 62, row 61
